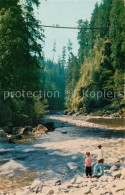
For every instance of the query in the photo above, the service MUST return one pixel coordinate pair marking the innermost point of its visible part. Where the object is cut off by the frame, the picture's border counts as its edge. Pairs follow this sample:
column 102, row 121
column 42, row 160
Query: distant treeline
column 54, row 83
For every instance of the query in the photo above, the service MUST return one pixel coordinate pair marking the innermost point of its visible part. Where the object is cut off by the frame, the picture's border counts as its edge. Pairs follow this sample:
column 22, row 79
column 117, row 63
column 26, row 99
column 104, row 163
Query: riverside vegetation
column 99, row 66
column 23, row 66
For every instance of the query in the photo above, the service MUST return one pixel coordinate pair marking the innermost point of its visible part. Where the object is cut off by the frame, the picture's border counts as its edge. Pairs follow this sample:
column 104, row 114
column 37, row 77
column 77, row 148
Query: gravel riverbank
column 83, row 121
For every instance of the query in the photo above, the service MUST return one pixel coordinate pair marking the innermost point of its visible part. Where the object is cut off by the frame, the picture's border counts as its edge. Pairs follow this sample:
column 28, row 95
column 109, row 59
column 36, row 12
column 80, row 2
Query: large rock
column 72, row 165
column 116, row 174
column 79, row 180
column 121, row 185
column 41, row 129
column 27, row 130
column 49, row 125
column 85, row 190
column 35, row 183
column 58, row 182
column 72, row 181
column 13, row 138
column 46, row 190
column 114, row 168
column 102, row 191
column 36, row 186
column 94, row 191
column 71, row 112
column 103, row 179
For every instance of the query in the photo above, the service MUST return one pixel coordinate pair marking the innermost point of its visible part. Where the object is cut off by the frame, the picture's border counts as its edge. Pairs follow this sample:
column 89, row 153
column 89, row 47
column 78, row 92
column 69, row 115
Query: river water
column 48, row 156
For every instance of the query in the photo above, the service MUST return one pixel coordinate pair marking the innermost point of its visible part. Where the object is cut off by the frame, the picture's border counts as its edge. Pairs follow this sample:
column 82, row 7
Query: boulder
column 36, row 186
column 110, row 185
column 102, row 191
column 114, row 168
column 85, row 190
column 110, row 179
column 46, row 190
column 51, row 192
column 27, row 130
column 64, row 189
column 116, row 174
column 72, row 181
column 94, row 191
column 71, row 112
column 13, row 138
column 120, row 185
column 58, row 182
column 66, row 112
column 72, row 165
column 103, row 179
column 76, row 185
column 41, row 129
column 94, row 180
column 49, row 125
column 79, row 180
column 35, row 183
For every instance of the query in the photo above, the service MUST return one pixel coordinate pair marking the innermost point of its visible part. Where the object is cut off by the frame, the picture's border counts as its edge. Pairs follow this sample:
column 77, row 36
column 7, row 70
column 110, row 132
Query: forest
column 95, row 77
column 91, row 81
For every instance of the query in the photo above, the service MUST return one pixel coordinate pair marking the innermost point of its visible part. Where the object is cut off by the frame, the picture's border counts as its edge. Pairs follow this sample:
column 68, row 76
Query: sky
column 63, row 13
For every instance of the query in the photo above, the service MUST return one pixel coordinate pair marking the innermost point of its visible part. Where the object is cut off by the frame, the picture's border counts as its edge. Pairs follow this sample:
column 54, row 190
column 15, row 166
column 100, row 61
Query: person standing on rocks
column 100, row 162
column 88, row 165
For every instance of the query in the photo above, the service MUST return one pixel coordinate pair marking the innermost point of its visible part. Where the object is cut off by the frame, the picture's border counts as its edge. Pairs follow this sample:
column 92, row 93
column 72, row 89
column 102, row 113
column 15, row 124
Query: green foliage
column 19, row 55
column 72, row 77
column 40, row 107
column 55, row 83
column 101, row 57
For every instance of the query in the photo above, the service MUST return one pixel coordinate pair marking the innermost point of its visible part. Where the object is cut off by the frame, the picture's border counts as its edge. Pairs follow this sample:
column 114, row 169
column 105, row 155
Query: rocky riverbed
column 107, row 185
column 54, row 163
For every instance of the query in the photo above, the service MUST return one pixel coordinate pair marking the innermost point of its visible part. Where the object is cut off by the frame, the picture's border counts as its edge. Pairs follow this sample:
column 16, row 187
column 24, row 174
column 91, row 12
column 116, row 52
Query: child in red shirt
column 88, row 165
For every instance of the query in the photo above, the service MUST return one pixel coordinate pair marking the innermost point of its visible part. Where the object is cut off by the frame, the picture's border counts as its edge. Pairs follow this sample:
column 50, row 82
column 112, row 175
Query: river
column 57, row 155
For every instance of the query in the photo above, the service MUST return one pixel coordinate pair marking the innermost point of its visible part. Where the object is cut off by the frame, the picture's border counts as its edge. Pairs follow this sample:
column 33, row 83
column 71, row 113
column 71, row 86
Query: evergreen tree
column 101, row 56
column 19, row 52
